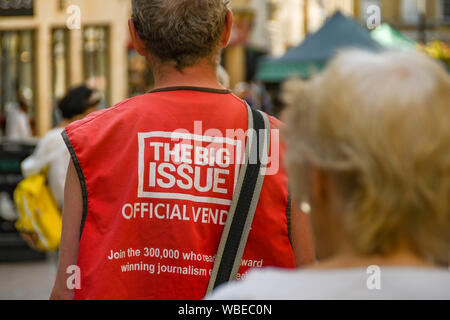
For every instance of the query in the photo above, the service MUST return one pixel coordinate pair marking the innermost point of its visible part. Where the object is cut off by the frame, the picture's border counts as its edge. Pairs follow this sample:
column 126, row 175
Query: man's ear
column 226, row 34
column 138, row 43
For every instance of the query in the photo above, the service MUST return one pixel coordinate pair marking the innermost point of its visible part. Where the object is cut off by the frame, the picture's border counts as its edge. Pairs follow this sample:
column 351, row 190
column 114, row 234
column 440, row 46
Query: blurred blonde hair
column 379, row 124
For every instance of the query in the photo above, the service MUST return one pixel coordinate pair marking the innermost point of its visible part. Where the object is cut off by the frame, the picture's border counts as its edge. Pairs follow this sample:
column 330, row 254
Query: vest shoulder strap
column 245, row 200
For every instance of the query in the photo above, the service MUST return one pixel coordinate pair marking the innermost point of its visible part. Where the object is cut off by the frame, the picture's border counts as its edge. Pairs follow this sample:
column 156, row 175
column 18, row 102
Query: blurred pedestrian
column 51, row 151
column 17, row 120
column 255, row 95
column 244, row 91
column 370, row 159
column 223, row 77
column 149, row 210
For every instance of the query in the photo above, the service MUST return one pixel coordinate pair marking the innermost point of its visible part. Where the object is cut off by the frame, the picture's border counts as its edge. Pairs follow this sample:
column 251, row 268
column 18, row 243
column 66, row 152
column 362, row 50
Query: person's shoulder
column 429, row 281
column 52, row 140
column 107, row 115
column 53, row 134
column 341, row 284
column 260, row 284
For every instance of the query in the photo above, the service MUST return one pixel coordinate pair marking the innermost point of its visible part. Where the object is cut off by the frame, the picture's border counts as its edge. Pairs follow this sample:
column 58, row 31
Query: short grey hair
column 182, row 31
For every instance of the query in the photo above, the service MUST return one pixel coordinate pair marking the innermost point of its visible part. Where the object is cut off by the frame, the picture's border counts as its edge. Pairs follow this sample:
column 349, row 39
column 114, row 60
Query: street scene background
column 50, row 46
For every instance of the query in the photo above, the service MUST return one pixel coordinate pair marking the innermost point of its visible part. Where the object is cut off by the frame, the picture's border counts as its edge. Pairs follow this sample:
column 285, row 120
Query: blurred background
column 48, row 46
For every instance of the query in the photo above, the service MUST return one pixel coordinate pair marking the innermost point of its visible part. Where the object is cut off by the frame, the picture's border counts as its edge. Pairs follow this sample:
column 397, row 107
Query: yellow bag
column 39, row 218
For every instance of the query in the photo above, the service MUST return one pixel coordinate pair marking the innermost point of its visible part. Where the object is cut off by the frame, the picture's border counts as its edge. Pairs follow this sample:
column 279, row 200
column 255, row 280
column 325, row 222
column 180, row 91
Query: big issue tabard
column 158, row 173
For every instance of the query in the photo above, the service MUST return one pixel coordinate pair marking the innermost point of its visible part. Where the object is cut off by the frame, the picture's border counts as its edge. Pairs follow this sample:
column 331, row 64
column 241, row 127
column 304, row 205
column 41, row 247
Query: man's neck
column 202, row 75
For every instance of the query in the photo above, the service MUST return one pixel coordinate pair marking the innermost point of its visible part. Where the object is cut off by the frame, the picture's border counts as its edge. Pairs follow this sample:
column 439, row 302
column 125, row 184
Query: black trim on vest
column 289, row 216
column 187, row 88
column 81, row 177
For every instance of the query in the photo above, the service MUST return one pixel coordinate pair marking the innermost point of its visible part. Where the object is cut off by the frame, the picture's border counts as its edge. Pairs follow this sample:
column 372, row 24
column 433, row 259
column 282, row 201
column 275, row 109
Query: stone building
column 47, row 46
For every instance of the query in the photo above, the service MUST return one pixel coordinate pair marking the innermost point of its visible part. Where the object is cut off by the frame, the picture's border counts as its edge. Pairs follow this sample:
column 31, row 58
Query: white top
column 51, row 151
column 395, row 283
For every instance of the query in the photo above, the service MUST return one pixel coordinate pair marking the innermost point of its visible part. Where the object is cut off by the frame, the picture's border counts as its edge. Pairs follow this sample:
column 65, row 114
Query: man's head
column 181, row 32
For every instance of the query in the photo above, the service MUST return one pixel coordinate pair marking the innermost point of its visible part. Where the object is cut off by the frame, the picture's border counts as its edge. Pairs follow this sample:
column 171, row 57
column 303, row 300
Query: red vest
column 156, row 201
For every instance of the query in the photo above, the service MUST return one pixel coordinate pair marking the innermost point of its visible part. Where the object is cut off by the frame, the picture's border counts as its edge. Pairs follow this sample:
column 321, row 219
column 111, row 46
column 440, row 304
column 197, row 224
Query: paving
column 27, row 280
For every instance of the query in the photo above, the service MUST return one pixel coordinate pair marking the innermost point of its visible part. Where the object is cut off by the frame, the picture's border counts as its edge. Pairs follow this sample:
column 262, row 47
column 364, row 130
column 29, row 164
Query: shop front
column 42, row 55
column 17, row 82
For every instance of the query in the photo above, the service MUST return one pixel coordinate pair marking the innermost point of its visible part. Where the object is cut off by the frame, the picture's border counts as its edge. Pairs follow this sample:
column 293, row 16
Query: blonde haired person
column 369, row 153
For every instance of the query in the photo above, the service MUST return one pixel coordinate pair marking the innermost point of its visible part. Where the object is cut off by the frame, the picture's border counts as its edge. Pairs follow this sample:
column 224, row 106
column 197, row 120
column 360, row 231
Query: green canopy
column 392, row 38
column 312, row 55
